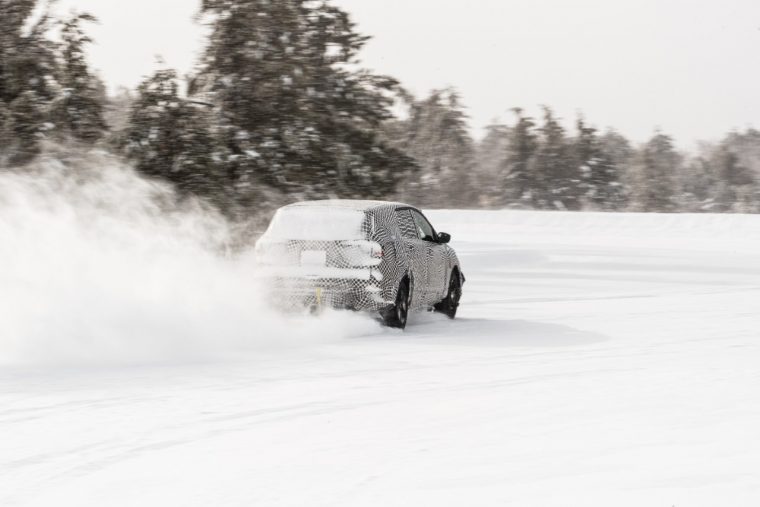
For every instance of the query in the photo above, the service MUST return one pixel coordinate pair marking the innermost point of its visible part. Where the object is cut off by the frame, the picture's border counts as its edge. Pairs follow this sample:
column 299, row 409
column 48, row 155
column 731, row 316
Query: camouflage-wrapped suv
column 361, row 255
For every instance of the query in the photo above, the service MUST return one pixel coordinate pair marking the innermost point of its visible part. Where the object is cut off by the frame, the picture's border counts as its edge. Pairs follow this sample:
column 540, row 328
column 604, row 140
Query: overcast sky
column 688, row 67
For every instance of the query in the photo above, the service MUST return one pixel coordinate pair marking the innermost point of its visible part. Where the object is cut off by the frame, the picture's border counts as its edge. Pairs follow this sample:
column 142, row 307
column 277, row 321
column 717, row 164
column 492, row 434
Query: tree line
column 278, row 109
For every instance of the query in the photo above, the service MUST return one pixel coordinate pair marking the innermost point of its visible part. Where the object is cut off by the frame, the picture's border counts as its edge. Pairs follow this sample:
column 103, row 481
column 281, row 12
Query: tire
column 448, row 306
column 397, row 315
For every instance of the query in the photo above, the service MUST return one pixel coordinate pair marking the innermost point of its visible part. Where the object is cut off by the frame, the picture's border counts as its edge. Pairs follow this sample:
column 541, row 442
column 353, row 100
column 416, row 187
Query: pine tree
column 436, row 136
column 698, row 186
column 170, row 137
column 78, row 111
column 521, row 184
column 734, row 166
column 5, row 133
column 294, row 113
column 490, row 157
column 27, row 59
column 557, row 181
column 600, row 176
column 117, row 109
column 658, row 167
column 27, row 82
column 26, row 126
column 747, row 148
column 617, row 148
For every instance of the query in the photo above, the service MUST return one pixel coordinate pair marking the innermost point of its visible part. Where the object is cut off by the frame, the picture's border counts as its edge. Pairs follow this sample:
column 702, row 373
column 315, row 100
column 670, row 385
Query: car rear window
column 313, row 223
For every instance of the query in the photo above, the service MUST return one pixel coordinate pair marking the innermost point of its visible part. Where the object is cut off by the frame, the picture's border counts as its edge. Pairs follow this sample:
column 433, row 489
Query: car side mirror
column 444, row 238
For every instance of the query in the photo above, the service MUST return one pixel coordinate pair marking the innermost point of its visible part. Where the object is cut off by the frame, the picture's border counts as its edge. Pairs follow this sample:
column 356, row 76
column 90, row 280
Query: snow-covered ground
column 599, row 360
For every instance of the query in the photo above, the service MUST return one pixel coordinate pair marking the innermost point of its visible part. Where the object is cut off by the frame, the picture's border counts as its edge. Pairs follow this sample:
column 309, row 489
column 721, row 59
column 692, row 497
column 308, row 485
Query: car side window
column 406, row 224
column 424, row 229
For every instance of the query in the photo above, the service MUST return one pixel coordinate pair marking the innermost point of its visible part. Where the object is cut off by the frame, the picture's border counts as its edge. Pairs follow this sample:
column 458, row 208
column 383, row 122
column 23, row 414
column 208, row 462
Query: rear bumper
column 362, row 293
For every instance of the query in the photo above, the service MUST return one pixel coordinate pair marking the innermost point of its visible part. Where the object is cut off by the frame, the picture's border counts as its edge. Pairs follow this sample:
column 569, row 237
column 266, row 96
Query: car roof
column 353, row 204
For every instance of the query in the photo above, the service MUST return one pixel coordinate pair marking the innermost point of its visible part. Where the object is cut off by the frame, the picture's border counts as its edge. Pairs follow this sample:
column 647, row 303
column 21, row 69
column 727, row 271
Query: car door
column 416, row 254
column 436, row 258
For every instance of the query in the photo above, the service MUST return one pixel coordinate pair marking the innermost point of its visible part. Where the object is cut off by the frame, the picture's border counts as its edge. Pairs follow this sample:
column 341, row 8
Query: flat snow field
column 598, row 360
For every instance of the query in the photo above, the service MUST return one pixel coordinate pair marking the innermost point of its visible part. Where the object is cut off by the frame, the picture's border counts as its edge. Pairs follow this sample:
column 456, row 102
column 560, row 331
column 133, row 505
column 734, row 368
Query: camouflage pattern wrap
column 354, row 255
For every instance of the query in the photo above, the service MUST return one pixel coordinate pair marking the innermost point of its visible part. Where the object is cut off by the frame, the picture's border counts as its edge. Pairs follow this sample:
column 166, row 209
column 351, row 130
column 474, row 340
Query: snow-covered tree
column 521, row 184
column 490, row 156
column 117, row 108
column 27, row 79
column 556, row 176
column 436, row 136
column 78, row 110
column 657, row 168
column 26, row 124
column 295, row 111
column 170, row 137
column 600, row 180
column 729, row 179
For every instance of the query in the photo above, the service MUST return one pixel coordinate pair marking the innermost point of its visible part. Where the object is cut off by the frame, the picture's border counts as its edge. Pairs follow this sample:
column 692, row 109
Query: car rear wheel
column 450, row 304
column 397, row 315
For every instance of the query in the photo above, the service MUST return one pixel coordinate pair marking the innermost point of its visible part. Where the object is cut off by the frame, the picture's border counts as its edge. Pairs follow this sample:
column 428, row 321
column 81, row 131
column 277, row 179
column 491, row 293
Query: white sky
column 689, row 67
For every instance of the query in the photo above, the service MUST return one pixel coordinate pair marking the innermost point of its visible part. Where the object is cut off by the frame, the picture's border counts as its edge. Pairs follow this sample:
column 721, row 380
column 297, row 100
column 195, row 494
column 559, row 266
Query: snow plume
column 98, row 265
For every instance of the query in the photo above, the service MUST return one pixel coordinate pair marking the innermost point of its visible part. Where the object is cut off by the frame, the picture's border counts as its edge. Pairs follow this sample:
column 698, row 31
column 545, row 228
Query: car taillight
column 362, row 252
column 270, row 252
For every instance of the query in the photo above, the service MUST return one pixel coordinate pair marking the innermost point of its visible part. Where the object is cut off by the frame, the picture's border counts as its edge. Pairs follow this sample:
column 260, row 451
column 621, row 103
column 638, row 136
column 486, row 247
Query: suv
column 361, row 255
